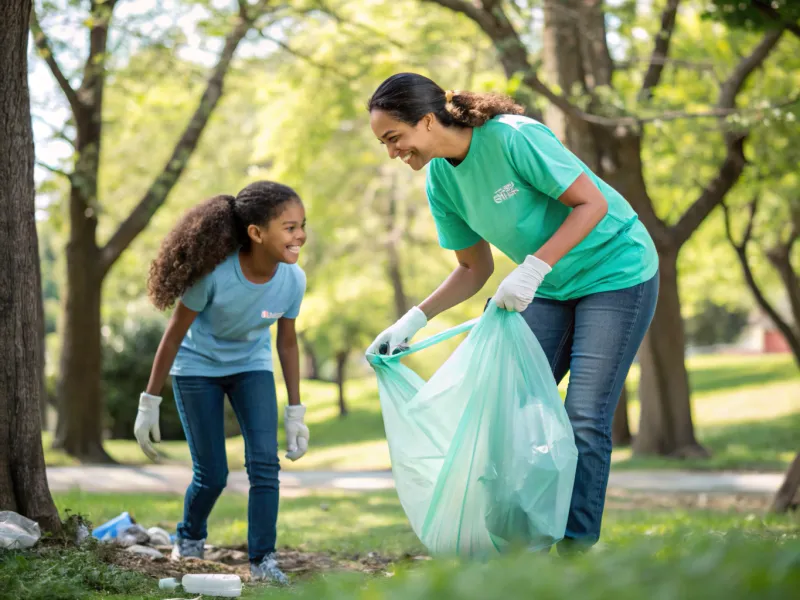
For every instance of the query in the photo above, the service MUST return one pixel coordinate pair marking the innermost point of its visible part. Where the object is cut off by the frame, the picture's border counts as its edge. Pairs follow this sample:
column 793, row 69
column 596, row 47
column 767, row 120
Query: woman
column 587, row 276
column 231, row 265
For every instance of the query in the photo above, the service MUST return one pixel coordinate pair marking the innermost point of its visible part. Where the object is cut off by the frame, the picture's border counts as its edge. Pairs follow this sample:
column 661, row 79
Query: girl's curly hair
column 408, row 97
column 209, row 233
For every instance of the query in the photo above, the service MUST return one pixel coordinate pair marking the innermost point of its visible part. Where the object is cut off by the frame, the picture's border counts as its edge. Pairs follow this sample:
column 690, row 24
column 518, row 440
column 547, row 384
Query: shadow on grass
column 767, row 445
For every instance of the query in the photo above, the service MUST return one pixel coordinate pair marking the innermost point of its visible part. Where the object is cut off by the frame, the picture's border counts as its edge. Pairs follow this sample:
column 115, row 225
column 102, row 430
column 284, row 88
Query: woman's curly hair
column 408, row 97
column 209, row 233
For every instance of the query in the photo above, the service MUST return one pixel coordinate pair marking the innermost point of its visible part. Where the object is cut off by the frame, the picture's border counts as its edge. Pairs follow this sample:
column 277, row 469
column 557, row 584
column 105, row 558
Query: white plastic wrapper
column 17, row 532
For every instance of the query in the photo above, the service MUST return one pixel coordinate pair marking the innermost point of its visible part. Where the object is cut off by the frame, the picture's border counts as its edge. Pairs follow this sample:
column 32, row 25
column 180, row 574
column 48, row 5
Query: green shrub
column 127, row 360
column 699, row 566
column 715, row 324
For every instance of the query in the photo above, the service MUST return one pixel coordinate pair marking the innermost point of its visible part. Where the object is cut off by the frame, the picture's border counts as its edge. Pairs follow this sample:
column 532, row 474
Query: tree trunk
column 564, row 66
column 311, row 366
column 23, row 478
column 81, row 412
column 341, row 367
column 620, row 428
column 665, row 426
column 784, row 499
column 393, row 268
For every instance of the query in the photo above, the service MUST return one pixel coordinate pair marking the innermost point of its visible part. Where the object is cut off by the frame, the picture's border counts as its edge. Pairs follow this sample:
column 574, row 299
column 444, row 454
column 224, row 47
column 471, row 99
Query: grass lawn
column 746, row 410
column 655, row 546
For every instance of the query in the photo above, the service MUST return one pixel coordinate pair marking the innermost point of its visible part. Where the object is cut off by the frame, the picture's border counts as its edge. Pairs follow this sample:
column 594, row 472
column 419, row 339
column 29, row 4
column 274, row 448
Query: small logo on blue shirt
column 265, row 314
column 505, row 192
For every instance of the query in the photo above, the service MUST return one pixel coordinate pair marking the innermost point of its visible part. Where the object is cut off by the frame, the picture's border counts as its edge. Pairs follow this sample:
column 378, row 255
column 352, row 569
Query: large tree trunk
column 784, row 499
column 620, row 427
column 563, row 61
column 23, row 479
column 81, row 413
column 665, row 426
column 341, row 367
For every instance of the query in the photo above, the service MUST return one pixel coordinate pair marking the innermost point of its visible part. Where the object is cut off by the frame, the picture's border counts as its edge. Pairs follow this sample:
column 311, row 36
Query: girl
column 231, row 264
column 587, row 278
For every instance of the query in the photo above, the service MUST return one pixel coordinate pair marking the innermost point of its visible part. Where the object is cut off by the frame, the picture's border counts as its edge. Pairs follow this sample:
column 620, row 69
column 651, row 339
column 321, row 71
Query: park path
column 175, row 478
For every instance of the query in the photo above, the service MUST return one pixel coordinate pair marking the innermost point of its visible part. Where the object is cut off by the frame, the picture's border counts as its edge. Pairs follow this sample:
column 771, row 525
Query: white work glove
column 296, row 431
column 147, row 423
column 399, row 333
column 517, row 290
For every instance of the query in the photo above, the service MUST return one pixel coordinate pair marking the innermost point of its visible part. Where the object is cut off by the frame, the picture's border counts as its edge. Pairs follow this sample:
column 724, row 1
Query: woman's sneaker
column 267, row 570
column 188, row 548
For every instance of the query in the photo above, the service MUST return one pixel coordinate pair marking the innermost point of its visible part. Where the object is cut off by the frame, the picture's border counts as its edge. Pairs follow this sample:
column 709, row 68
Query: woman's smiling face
column 412, row 143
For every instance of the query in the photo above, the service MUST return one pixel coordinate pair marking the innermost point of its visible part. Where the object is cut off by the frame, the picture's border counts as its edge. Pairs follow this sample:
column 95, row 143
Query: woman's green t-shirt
column 506, row 192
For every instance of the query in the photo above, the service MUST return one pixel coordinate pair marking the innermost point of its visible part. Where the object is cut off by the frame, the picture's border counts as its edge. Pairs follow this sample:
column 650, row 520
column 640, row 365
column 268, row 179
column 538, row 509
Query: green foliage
column 127, row 360
column 64, row 574
column 697, row 566
column 715, row 324
column 754, row 14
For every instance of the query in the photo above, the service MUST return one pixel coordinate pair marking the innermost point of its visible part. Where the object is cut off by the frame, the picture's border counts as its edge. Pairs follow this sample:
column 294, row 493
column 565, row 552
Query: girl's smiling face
column 283, row 236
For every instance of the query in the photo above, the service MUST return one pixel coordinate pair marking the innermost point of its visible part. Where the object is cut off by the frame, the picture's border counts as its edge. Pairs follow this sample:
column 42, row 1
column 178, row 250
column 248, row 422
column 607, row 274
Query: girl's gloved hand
column 399, row 333
column 517, row 290
column 296, row 431
column 147, row 423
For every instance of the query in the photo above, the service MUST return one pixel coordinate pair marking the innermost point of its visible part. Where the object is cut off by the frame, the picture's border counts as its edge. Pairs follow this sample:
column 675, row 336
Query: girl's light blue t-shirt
column 231, row 334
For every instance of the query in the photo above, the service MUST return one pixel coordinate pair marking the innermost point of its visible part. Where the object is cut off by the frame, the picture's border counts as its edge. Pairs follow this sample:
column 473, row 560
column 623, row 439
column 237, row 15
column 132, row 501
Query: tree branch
column 322, row 67
column 660, row 50
column 46, row 52
column 714, row 112
column 513, row 54
column 91, row 88
column 732, row 166
column 156, row 195
column 323, row 7
column 733, row 85
column 54, row 170
column 741, row 253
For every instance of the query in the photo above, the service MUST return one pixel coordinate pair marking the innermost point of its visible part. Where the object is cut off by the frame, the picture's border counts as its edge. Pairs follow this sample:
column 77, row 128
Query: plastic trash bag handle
column 377, row 359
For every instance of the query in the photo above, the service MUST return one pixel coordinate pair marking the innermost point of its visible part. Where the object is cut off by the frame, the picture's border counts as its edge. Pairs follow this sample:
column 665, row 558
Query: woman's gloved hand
column 517, row 290
column 399, row 333
column 296, row 431
column 147, row 423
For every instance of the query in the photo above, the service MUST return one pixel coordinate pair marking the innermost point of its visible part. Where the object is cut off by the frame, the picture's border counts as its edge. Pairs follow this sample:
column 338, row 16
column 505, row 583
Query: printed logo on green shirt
column 505, row 192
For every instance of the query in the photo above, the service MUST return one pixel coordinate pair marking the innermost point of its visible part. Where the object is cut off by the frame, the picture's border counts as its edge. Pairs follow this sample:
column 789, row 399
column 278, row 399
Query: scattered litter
column 135, row 534
column 158, row 537
column 111, row 529
column 226, row 556
column 145, row 551
column 17, row 532
column 82, row 534
column 225, row 586
column 168, row 583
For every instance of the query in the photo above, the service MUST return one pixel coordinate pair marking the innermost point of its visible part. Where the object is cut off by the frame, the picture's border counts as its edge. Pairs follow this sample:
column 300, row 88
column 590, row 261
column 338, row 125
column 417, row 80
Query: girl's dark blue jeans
column 200, row 403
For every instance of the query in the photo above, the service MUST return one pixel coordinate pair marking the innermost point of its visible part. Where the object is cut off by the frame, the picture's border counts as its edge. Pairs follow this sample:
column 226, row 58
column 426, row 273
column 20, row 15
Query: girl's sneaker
column 188, row 548
column 267, row 570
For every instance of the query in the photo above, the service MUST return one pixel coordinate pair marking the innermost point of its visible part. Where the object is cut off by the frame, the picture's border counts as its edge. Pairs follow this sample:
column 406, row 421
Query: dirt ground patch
column 296, row 563
column 301, row 564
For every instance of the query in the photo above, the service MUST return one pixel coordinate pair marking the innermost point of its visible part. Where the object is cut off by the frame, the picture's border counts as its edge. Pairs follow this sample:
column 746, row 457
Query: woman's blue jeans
column 200, row 403
column 595, row 338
